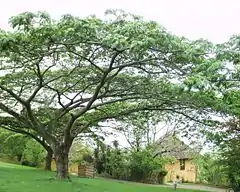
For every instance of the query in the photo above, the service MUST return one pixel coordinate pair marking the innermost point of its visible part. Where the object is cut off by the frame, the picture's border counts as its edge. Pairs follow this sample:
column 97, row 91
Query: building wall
column 188, row 175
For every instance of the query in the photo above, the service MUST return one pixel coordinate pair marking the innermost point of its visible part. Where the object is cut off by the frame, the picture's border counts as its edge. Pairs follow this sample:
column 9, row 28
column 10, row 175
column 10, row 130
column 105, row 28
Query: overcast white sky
column 215, row 20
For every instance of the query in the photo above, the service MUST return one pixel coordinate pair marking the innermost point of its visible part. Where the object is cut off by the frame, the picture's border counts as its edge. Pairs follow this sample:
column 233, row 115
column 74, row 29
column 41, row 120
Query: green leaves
column 211, row 170
column 34, row 153
column 143, row 165
column 27, row 20
column 231, row 99
column 12, row 144
column 60, row 77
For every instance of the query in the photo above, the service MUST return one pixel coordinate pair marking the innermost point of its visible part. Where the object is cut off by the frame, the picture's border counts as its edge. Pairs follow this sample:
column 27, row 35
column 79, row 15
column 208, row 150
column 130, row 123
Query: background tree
column 227, row 140
column 100, row 157
column 10, row 124
column 33, row 154
column 231, row 160
column 143, row 165
column 221, row 76
column 116, row 164
column 12, row 145
column 21, row 148
column 211, row 170
column 129, row 164
column 78, row 151
column 141, row 129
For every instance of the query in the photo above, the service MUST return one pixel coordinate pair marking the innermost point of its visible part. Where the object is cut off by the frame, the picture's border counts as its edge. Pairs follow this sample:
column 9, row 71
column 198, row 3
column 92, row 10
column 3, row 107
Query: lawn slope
column 16, row 178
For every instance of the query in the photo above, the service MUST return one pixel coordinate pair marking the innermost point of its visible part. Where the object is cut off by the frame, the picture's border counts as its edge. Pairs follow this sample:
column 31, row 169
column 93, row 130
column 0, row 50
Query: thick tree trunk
column 61, row 159
column 48, row 160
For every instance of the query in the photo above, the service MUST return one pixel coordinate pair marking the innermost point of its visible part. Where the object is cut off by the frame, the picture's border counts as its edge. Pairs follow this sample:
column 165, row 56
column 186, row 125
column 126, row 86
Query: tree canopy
column 60, row 77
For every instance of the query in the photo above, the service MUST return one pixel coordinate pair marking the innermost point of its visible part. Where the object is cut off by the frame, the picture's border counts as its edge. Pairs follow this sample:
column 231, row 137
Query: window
column 182, row 164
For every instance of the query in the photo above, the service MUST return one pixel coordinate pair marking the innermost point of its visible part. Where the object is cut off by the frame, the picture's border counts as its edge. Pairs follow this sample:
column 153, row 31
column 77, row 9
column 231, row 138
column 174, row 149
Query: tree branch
column 13, row 113
column 14, row 95
column 98, row 88
column 42, row 142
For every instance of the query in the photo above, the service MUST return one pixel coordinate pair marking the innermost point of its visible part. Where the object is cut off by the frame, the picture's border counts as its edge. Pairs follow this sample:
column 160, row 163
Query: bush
column 138, row 166
column 12, row 144
column 80, row 153
column 160, row 176
column 144, row 166
column 30, row 164
column 87, row 158
column 33, row 154
column 116, row 163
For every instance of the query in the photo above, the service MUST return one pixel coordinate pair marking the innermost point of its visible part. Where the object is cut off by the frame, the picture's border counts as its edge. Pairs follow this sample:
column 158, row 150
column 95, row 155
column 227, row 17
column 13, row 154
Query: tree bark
column 48, row 160
column 61, row 159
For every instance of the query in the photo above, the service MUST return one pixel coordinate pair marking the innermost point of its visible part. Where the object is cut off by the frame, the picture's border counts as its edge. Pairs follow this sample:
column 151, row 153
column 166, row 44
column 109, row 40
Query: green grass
column 16, row 178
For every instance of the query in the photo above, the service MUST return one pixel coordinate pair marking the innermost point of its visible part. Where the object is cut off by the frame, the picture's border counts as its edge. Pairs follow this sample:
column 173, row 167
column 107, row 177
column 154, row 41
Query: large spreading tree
column 59, row 78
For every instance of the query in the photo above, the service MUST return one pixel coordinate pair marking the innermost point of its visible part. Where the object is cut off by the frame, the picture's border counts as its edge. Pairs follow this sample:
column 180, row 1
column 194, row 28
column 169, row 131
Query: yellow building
column 182, row 162
column 184, row 168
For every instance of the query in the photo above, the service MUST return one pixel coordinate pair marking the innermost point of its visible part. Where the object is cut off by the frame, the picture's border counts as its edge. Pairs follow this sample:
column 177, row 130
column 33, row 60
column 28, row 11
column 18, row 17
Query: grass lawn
column 16, row 178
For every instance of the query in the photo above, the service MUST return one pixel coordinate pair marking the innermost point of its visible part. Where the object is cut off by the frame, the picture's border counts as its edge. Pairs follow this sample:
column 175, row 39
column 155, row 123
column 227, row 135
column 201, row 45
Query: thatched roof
column 171, row 146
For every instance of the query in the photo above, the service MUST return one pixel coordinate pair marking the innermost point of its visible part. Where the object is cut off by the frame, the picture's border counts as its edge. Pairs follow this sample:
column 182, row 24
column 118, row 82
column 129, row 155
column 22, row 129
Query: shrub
column 33, row 154
column 143, row 165
column 87, row 158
